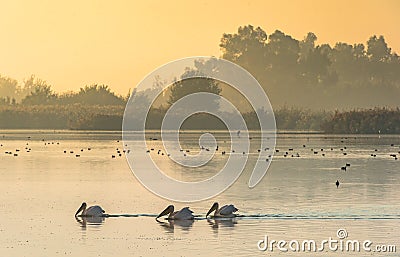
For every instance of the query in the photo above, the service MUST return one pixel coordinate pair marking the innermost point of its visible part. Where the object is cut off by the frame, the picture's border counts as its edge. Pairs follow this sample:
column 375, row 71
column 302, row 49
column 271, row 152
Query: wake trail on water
column 275, row 217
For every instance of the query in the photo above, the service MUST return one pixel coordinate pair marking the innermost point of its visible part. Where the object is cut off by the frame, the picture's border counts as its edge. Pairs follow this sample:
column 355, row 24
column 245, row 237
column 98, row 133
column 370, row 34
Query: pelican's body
column 184, row 214
column 92, row 211
column 226, row 211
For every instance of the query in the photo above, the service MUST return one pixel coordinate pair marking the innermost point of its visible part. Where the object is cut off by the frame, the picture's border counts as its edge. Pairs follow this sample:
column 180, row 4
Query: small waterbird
column 337, row 183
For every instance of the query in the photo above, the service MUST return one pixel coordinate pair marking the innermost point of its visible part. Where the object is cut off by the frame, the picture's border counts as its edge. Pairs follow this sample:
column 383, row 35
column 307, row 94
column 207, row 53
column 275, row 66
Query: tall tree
column 246, row 48
column 98, row 95
column 41, row 94
column 378, row 50
column 8, row 87
column 189, row 85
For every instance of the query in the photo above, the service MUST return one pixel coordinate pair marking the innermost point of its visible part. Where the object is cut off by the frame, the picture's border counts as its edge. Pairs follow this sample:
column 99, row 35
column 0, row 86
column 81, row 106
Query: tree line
column 36, row 91
column 366, row 121
column 95, row 117
column 300, row 78
column 303, row 74
column 293, row 72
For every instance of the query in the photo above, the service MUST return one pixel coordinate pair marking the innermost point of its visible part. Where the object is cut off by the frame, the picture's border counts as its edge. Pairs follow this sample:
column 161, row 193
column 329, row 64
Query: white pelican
column 184, row 214
column 226, row 211
column 92, row 211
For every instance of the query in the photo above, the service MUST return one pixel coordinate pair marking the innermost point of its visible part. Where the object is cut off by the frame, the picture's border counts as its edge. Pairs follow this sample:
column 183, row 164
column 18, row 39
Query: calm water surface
column 40, row 191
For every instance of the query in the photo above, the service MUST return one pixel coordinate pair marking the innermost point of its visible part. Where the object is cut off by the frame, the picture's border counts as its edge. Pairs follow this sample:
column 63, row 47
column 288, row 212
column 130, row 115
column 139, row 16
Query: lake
column 42, row 187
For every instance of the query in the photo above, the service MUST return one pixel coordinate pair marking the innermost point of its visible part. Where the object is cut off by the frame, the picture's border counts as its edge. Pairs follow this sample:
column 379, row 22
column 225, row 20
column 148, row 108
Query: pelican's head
column 214, row 207
column 168, row 210
column 82, row 208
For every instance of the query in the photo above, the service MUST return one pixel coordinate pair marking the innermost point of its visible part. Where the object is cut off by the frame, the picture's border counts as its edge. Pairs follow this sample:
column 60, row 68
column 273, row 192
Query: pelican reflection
column 169, row 225
column 92, row 221
column 222, row 222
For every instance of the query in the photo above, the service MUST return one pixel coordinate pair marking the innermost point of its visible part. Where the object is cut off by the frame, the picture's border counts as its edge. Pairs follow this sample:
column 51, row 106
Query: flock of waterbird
column 77, row 153
column 290, row 152
column 226, row 211
column 286, row 153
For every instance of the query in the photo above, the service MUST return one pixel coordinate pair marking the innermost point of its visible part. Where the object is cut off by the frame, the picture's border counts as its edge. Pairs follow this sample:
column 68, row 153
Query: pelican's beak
column 164, row 212
column 79, row 210
column 213, row 208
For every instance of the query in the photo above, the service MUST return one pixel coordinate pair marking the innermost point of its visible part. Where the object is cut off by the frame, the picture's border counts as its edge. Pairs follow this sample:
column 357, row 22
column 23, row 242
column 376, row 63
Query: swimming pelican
column 226, row 211
column 92, row 211
column 184, row 214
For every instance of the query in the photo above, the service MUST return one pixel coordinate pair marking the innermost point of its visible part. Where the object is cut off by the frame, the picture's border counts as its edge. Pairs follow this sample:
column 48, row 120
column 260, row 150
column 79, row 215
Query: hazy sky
column 75, row 43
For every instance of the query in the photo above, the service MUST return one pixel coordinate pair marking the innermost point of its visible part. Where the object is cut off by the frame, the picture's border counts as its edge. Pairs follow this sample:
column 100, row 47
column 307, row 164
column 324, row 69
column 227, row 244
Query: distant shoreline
column 150, row 131
column 288, row 120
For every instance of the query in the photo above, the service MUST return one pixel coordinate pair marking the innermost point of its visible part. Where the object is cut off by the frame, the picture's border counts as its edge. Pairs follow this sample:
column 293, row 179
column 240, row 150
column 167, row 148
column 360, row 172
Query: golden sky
column 75, row 43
